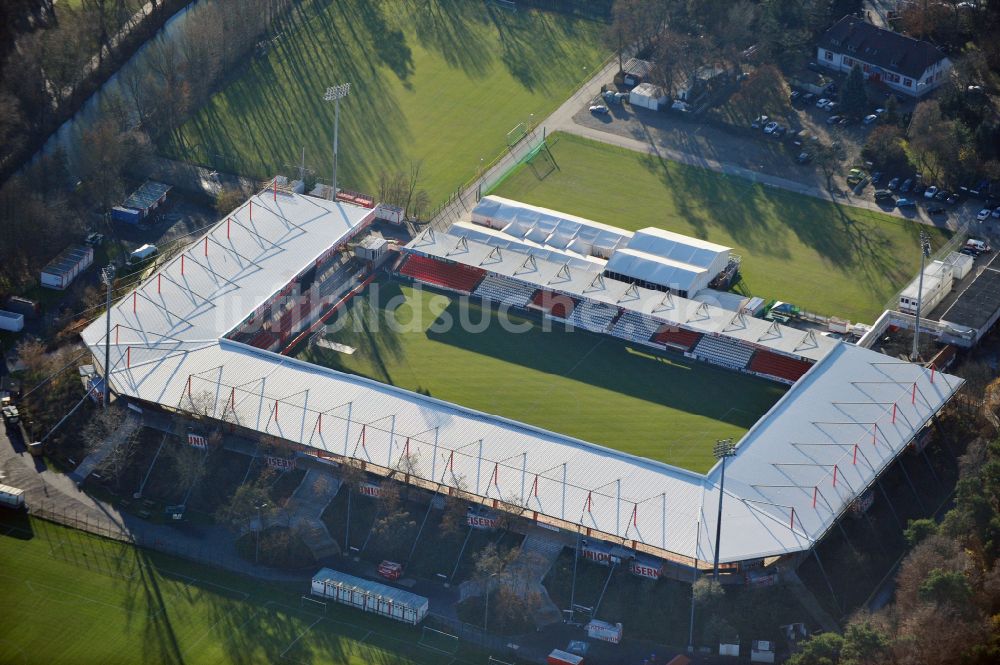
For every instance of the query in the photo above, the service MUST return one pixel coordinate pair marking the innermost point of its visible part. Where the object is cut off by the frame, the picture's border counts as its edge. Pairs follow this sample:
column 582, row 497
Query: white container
column 11, row 321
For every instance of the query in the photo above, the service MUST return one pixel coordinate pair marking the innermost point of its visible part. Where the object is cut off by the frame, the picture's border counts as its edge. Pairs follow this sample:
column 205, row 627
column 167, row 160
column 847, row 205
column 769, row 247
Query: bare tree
column 105, row 425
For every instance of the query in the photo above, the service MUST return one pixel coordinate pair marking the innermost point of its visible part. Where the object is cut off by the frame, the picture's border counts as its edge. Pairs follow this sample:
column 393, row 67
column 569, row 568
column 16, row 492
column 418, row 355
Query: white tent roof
column 546, row 227
column 677, row 247
column 656, row 269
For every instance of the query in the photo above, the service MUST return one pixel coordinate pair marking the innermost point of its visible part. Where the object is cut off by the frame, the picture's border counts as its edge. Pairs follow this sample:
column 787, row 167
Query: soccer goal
column 312, row 604
column 540, row 161
column 509, row 5
column 437, row 640
column 515, row 135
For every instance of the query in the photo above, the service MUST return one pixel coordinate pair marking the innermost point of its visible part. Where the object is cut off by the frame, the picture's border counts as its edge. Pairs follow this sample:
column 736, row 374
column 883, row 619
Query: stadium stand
column 634, row 327
column 593, row 317
column 505, row 290
column 554, row 304
column 453, row 276
column 723, row 351
column 780, row 367
column 676, row 337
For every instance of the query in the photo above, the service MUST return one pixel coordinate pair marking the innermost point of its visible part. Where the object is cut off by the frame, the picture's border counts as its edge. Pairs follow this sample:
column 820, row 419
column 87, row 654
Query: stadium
column 205, row 335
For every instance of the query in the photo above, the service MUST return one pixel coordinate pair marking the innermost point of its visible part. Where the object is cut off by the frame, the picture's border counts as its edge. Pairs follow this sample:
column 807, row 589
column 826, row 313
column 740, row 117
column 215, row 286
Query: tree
column 864, row 643
column 918, row 530
column 853, row 96
column 822, row 649
column 250, row 500
column 884, row 148
column 108, row 425
column 945, row 586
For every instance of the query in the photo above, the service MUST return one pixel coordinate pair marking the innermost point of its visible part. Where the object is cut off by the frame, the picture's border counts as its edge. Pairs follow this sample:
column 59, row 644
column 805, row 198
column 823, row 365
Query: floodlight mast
column 334, row 94
column 108, row 277
column 925, row 252
column 724, row 448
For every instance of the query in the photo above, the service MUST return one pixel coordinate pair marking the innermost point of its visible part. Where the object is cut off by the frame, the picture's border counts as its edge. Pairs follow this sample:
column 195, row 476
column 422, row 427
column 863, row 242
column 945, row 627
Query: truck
column 11, row 497
column 390, row 570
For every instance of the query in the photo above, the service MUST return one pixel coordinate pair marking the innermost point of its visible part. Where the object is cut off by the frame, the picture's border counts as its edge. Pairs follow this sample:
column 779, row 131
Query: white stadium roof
column 816, row 449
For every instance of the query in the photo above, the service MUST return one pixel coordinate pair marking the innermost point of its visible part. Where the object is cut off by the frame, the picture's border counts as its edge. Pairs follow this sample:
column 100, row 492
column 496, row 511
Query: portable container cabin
column 62, row 270
column 370, row 596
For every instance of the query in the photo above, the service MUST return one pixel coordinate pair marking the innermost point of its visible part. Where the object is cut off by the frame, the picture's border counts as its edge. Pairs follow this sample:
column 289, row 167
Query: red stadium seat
column 454, row 276
column 782, row 367
column 676, row 337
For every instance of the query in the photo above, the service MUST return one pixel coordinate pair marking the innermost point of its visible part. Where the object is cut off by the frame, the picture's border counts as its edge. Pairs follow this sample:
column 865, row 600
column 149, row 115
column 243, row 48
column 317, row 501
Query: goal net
column 438, row 640
column 515, row 135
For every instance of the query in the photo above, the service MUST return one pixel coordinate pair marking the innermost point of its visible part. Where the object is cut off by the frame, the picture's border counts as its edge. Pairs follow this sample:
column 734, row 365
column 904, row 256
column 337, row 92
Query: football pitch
column 827, row 258
column 593, row 387
column 70, row 597
column 435, row 83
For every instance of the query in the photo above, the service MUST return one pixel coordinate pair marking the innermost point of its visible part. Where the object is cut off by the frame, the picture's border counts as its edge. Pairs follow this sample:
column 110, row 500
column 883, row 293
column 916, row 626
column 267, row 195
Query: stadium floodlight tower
column 334, row 94
column 723, row 449
column 925, row 252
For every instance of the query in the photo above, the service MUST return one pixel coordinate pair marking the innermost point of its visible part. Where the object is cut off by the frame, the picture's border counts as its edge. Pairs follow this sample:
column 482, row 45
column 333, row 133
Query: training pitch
column 593, row 387
column 70, row 597
column 832, row 259
column 436, row 84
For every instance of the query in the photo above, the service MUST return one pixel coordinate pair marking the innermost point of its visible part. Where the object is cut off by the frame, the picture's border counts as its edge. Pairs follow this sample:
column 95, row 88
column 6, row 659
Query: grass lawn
column 70, row 597
column 828, row 258
column 439, row 83
column 593, row 387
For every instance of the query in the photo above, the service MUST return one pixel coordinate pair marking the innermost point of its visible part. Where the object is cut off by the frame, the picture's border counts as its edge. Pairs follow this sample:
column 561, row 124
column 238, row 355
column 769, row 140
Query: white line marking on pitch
column 282, row 654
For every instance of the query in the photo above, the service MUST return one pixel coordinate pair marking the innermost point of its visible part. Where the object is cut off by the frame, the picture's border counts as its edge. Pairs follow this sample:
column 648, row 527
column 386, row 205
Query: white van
column 143, row 253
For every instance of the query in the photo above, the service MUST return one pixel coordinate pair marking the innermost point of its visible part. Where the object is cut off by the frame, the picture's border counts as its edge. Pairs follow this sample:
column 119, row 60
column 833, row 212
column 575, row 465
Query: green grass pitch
column 437, row 83
column 827, row 258
column 593, row 387
column 70, row 597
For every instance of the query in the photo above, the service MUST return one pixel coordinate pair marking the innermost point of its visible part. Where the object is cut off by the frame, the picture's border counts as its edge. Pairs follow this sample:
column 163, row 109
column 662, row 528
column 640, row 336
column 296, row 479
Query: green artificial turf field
column 439, row 83
column 593, row 387
column 70, row 597
column 827, row 258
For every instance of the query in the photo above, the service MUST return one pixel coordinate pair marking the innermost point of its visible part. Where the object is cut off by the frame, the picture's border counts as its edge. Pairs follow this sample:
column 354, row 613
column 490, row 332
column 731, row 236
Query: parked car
column 869, row 119
column 893, row 185
column 905, row 203
column 804, row 158
column 877, row 178
column 975, row 247
column 779, row 131
column 95, row 239
column 996, row 213
column 935, row 210
column 598, row 108
column 930, row 192
column 770, row 127
column 822, row 102
column 795, row 96
column 880, row 112
column 833, row 119
column 907, row 186
column 855, row 176
column 983, row 214
column 883, row 195
column 759, row 122
column 808, row 98
column 919, row 188
column 952, row 200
